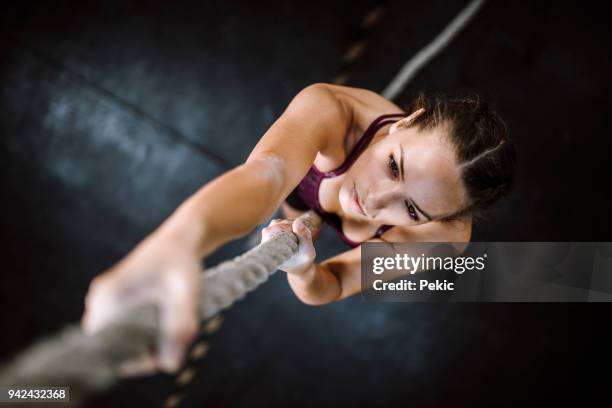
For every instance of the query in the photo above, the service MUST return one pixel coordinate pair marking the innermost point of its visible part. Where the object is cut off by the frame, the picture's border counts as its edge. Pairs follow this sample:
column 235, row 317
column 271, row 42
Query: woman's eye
column 393, row 166
column 412, row 211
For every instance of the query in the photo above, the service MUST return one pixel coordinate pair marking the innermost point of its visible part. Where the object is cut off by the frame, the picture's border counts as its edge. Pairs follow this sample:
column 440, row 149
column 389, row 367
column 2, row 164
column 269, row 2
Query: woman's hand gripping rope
column 299, row 263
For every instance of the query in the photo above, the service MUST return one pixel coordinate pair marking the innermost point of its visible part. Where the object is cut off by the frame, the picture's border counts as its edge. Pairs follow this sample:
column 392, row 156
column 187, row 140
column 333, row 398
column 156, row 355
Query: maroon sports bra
column 306, row 195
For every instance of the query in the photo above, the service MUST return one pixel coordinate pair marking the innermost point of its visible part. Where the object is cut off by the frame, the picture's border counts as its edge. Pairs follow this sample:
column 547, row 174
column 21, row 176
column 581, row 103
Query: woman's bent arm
column 333, row 279
column 339, row 277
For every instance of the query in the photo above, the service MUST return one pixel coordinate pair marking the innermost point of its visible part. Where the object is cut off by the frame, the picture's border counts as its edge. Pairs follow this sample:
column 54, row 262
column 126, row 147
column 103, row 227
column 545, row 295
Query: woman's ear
column 405, row 122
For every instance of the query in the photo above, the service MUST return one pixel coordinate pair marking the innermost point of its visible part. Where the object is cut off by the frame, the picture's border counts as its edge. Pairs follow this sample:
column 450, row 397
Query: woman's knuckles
column 305, row 258
column 269, row 231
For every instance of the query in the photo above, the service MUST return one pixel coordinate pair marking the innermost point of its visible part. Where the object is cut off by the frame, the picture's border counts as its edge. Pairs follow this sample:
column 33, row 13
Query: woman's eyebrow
column 402, row 179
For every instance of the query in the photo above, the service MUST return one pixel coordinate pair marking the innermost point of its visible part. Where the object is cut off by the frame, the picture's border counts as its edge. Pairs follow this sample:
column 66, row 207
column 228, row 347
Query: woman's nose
column 381, row 197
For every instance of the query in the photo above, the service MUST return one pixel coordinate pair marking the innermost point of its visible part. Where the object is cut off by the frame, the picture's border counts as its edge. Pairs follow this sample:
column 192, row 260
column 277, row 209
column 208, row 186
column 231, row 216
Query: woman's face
column 406, row 178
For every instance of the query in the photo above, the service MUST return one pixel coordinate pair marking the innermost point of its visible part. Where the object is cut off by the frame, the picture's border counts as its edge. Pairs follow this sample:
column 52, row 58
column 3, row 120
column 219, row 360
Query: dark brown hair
column 479, row 137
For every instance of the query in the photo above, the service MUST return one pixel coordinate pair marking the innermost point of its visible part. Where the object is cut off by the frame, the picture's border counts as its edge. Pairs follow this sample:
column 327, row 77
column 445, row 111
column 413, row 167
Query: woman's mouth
column 356, row 203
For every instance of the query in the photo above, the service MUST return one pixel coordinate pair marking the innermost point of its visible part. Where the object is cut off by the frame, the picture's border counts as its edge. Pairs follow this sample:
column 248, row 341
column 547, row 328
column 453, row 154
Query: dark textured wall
column 112, row 113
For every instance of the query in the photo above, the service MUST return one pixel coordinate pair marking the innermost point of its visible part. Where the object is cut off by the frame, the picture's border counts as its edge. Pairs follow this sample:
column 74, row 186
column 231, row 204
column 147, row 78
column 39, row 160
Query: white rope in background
column 421, row 58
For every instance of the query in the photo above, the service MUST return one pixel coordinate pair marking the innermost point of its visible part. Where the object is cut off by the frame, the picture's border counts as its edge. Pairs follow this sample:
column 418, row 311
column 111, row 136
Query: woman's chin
column 348, row 209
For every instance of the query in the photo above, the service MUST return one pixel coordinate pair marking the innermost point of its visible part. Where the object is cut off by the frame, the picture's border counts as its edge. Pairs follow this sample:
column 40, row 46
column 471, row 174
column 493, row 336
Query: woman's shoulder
column 363, row 104
column 341, row 112
column 362, row 107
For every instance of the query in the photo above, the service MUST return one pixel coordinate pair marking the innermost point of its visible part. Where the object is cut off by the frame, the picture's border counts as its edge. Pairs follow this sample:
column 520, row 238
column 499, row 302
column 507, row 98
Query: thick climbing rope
column 89, row 363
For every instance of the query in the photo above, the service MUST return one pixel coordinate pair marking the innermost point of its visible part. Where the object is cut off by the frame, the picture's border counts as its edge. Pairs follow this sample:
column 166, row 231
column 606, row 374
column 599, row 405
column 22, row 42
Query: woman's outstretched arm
column 164, row 268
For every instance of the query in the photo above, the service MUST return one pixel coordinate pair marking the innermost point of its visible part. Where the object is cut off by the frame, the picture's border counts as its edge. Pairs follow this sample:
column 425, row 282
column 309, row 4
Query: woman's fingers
column 109, row 295
column 179, row 318
column 306, row 248
column 275, row 226
column 101, row 305
column 175, row 290
column 303, row 259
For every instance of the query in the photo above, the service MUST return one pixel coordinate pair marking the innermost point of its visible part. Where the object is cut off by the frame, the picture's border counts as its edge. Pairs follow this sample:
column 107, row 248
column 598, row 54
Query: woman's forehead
column 437, row 133
column 430, row 169
column 428, row 144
